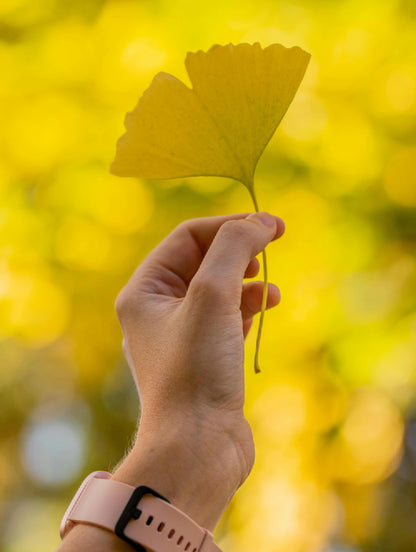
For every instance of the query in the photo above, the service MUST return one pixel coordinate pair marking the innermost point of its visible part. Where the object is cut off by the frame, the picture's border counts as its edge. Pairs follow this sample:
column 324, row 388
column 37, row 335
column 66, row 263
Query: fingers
column 175, row 261
column 251, row 299
column 252, row 269
column 168, row 269
column 252, row 296
column 235, row 244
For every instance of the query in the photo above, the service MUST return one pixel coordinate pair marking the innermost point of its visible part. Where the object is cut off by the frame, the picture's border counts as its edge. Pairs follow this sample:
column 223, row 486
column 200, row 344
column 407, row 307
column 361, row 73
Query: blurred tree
column 333, row 410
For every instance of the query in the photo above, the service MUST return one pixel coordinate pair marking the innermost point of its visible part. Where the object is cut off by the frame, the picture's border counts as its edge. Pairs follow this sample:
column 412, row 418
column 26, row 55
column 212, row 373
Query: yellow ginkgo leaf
column 220, row 126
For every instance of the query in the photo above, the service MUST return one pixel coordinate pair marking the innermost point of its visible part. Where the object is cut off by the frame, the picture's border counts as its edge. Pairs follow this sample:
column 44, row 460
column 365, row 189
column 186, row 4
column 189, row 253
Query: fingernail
column 264, row 218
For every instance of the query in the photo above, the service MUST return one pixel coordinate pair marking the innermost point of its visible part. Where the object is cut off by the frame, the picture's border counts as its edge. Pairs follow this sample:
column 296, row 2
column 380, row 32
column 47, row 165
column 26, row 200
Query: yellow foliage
column 332, row 412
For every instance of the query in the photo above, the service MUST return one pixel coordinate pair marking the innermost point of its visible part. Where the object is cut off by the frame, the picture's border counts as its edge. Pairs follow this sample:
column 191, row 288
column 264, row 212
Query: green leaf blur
column 334, row 410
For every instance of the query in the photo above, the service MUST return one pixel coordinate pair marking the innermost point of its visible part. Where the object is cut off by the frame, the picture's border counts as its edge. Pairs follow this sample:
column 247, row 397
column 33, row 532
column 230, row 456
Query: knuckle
column 122, row 302
column 181, row 230
column 235, row 229
column 190, row 223
column 117, row 304
column 183, row 226
column 129, row 306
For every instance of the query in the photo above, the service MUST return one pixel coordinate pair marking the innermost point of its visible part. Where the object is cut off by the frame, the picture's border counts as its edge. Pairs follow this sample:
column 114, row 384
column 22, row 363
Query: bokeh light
column 53, row 452
column 334, row 409
column 54, row 442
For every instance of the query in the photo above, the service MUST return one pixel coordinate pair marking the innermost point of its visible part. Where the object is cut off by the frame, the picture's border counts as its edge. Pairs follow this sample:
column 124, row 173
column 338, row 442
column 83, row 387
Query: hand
column 184, row 315
column 185, row 311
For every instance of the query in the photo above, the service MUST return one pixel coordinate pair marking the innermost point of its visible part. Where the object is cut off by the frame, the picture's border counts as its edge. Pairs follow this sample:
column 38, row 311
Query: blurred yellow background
column 334, row 409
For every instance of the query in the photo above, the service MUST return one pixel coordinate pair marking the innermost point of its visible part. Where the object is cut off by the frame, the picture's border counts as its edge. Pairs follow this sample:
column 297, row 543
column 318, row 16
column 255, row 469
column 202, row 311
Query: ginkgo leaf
column 220, row 126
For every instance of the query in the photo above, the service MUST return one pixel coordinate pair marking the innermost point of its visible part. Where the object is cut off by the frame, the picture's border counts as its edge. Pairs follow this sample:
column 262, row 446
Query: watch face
column 65, row 523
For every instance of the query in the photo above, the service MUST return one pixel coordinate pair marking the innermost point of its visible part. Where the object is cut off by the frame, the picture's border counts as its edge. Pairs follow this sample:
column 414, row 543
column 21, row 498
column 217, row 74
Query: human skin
column 184, row 315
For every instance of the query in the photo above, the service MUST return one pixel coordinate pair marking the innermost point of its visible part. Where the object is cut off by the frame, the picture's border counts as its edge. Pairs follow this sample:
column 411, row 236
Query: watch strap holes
column 160, row 527
column 171, row 533
column 149, row 520
column 180, row 540
column 187, row 546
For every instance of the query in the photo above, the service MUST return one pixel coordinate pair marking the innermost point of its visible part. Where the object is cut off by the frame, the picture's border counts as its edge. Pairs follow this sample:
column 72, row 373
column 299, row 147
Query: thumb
column 221, row 272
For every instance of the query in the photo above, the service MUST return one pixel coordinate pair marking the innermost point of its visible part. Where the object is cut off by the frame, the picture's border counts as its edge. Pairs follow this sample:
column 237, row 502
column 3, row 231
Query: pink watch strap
column 160, row 526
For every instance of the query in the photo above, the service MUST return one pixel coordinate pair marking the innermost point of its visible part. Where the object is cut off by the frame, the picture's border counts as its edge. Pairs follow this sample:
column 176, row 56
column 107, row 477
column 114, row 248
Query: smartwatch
column 138, row 515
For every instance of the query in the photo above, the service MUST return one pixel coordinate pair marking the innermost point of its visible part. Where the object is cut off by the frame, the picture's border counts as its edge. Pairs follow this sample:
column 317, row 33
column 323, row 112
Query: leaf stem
column 265, row 289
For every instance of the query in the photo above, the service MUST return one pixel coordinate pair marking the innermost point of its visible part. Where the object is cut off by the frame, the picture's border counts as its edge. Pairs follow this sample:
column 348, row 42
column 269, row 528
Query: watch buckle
column 131, row 511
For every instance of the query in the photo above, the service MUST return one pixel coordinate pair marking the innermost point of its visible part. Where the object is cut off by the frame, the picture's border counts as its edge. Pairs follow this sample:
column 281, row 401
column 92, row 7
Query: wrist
column 198, row 467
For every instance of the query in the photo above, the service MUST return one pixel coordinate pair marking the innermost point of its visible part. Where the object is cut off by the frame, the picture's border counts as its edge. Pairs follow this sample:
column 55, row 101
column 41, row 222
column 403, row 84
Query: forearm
column 197, row 469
